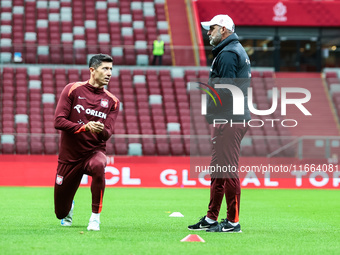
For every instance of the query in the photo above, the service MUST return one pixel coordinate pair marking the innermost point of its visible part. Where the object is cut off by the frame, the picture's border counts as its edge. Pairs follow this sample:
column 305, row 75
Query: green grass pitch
column 136, row 221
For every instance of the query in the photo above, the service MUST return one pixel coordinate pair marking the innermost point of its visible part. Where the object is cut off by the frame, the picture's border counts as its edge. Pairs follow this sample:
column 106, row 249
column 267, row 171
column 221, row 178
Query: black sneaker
column 202, row 225
column 225, row 226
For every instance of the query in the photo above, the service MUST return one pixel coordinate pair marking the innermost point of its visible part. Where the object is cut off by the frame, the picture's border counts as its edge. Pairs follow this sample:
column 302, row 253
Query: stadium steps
column 333, row 88
column 180, row 33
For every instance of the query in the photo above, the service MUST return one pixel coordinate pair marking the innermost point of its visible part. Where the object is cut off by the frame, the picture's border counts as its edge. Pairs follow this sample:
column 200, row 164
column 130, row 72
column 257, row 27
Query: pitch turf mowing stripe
column 136, row 221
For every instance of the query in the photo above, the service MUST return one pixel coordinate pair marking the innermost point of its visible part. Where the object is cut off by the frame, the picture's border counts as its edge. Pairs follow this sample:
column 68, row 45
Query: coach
column 231, row 65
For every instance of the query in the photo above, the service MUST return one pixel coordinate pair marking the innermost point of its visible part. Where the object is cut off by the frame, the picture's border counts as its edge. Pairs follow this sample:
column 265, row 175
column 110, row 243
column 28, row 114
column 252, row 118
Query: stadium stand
column 155, row 102
column 160, row 114
column 66, row 32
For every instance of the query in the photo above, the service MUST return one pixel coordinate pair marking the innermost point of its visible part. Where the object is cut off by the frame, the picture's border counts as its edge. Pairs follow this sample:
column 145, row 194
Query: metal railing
column 316, row 147
column 312, row 147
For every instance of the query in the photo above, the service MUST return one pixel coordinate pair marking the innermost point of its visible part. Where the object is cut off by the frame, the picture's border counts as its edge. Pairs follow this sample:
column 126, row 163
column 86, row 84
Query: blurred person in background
column 158, row 50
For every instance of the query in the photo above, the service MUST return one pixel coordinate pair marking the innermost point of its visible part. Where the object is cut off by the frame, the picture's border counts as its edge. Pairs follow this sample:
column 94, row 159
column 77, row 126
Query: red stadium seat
column 7, row 148
column 55, row 54
column 50, row 148
column 22, row 147
column 109, row 148
column 191, row 149
column 260, row 147
column 163, row 149
column 204, row 150
column 149, row 149
column 36, row 146
column 247, row 151
column 177, row 149
column 21, row 128
column 120, row 148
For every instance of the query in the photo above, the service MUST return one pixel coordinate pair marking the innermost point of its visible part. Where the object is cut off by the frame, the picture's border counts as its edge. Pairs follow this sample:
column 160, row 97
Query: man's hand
column 94, row 127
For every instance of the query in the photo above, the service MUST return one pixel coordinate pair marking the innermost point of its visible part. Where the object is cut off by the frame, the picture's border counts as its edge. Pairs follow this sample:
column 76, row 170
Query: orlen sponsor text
column 99, row 114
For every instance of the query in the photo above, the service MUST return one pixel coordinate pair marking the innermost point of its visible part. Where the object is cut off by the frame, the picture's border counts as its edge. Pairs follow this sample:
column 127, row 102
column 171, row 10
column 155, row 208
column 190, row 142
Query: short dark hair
column 97, row 60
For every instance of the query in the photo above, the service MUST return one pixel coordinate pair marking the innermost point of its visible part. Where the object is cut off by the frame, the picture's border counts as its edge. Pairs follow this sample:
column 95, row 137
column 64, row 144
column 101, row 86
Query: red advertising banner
column 169, row 172
column 272, row 13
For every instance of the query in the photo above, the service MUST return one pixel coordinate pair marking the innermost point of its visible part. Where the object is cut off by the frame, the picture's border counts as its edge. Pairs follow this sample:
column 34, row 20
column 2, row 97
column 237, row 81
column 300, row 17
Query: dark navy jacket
column 231, row 65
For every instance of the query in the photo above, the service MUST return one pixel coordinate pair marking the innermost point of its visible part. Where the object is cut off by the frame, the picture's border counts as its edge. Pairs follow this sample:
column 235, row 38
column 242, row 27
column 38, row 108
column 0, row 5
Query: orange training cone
column 192, row 238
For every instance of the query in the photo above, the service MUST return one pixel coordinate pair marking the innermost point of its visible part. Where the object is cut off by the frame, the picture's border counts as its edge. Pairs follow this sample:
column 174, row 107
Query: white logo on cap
column 280, row 11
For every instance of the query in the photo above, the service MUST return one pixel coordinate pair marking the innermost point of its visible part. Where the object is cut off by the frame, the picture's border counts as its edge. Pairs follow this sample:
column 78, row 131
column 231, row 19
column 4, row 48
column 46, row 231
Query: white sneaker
column 93, row 225
column 67, row 221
